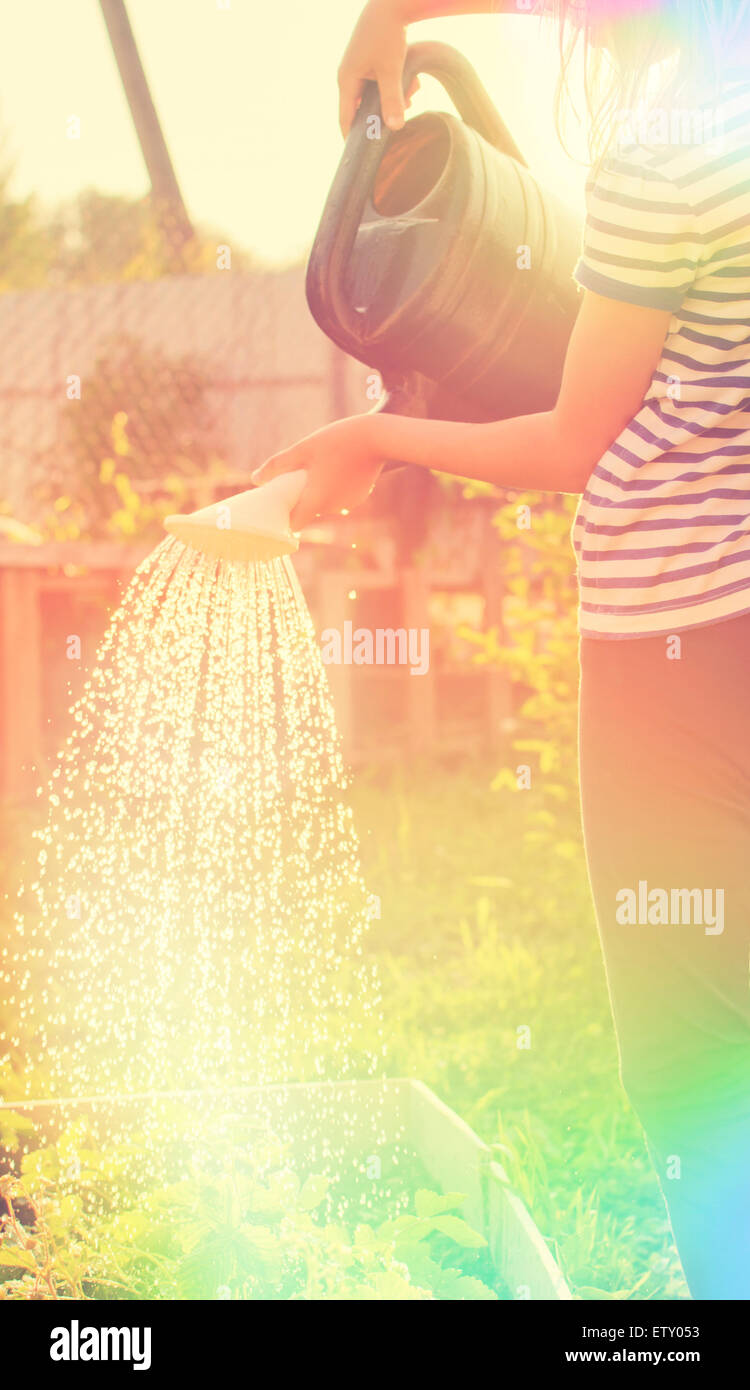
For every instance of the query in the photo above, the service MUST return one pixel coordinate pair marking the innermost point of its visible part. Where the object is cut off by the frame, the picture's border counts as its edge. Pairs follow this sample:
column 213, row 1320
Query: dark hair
column 694, row 42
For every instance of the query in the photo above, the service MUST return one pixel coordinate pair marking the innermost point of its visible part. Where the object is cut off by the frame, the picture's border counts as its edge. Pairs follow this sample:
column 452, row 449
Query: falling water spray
column 197, row 918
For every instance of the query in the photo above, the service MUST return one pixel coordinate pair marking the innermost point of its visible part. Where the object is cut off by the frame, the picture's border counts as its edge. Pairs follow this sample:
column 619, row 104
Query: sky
column 247, row 98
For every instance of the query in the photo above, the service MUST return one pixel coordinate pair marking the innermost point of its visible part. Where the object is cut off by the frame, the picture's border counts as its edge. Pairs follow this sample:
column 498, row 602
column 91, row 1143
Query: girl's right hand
column 376, row 50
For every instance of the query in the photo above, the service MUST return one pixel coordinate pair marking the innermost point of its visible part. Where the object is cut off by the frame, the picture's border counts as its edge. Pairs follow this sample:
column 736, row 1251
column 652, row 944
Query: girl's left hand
column 342, row 462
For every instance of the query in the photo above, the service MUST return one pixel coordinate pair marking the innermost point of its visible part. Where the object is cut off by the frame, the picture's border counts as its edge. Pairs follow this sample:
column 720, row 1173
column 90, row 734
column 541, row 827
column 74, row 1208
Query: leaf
column 427, row 1203
column 130, row 1225
column 40, row 1163
column 119, row 434
column 73, row 1139
column 19, row 531
column 467, row 1287
column 392, row 1286
column 12, row 1258
column 460, row 1231
column 204, row 1270
column 280, row 1196
column 568, row 849
column 407, row 1228
column 447, row 1284
column 212, row 1262
column 262, row 1240
column 337, row 1235
column 313, row 1191
column 12, row 1126
column 69, row 1211
column 505, row 778
column 451, row 1285
column 122, row 521
column 589, row 1291
column 191, row 1233
column 263, row 1251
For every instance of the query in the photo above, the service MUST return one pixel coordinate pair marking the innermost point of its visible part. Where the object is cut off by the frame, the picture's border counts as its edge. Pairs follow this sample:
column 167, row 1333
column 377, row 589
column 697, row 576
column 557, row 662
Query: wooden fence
column 383, row 711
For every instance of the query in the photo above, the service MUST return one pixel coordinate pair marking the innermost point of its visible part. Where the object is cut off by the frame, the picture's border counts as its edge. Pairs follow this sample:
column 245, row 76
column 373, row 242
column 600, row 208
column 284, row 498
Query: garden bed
column 418, row 1208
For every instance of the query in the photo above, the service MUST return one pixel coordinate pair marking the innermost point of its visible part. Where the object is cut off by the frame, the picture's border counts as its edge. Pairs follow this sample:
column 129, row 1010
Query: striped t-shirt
column 662, row 532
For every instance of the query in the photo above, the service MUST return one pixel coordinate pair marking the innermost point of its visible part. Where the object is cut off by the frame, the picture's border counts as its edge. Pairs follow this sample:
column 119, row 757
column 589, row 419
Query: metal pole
column 167, row 198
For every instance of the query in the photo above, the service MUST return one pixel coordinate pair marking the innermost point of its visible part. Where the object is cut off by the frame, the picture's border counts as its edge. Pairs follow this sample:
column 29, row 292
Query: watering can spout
column 252, row 525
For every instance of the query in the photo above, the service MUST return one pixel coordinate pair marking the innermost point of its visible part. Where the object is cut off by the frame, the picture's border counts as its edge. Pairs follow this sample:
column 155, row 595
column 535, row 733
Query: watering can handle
column 359, row 164
column 471, row 100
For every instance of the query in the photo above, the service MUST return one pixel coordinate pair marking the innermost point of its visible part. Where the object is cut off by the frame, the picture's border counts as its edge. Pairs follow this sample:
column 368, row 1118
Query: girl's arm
column 612, row 355
column 377, row 49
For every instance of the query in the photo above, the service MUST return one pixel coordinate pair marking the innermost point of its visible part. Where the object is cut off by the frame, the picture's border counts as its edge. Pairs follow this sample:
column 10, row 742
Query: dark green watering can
column 440, row 261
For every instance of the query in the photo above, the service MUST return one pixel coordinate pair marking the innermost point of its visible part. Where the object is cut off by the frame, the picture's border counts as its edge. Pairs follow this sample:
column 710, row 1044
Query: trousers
column 664, row 753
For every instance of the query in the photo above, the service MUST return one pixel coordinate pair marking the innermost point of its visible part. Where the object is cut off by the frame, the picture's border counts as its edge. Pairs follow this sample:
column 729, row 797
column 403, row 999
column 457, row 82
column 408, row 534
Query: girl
column 652, row 426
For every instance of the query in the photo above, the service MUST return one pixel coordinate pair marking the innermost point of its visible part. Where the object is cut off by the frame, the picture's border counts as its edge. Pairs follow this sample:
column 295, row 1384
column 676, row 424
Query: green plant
column 239, row 1224
column 480, row 932
column 130, row 446
column 484, row 933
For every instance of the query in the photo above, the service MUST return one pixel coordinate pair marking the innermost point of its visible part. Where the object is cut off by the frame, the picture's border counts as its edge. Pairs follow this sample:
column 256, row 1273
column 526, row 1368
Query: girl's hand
column 342, row 462
column 376, row 50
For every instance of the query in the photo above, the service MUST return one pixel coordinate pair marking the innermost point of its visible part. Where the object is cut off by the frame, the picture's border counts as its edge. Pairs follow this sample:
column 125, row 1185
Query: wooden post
column 421, row 703
column 499, row 704
column 334, row 608
column 168, row 200
column 20, row 680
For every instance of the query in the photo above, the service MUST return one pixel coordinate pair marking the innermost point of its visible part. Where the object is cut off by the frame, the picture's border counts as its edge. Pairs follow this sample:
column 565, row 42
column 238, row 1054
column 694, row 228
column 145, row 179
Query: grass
column 495, row 995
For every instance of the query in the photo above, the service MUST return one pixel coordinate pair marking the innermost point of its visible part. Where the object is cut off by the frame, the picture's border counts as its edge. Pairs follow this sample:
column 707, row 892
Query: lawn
column 495, row 995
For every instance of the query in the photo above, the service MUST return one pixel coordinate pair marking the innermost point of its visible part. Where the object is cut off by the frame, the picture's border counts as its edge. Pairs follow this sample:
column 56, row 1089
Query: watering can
column 441, row 262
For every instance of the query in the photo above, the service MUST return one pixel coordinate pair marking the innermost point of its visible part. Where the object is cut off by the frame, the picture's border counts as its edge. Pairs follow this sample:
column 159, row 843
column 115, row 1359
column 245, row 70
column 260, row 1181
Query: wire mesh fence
column 142, row 374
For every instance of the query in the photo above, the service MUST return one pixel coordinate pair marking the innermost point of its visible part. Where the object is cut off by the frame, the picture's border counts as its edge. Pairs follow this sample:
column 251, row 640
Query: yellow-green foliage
column 240, row 1225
